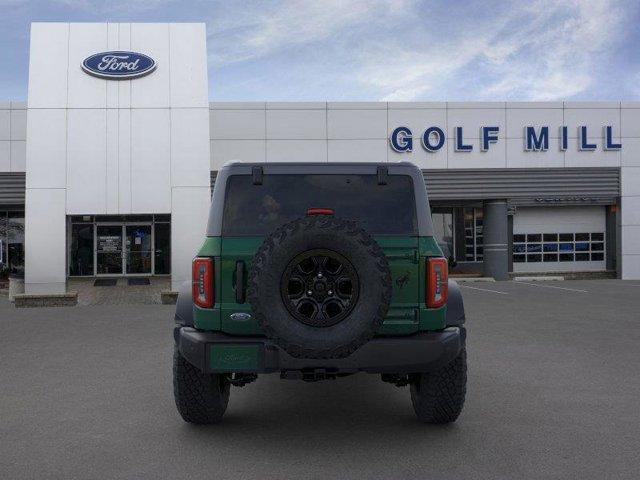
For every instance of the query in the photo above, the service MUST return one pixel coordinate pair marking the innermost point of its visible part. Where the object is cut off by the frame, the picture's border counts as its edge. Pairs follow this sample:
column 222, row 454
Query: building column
column 495, row 240
column 45, row 241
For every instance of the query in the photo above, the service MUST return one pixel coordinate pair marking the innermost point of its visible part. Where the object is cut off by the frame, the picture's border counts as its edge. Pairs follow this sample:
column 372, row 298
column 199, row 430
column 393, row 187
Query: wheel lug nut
column 319, row 275
column 309, row 292
column 330, row 292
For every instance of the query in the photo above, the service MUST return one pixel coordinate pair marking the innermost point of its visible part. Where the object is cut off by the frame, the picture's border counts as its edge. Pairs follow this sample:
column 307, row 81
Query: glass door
column 139, row 249
column 109, row 250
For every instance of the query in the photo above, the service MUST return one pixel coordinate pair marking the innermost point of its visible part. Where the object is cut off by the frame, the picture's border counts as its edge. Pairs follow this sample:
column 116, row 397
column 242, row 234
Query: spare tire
column 320, row 287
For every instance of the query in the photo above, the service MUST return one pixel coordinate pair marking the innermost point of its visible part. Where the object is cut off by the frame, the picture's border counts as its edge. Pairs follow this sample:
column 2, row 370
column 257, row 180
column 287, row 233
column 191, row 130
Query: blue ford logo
column 118, row 65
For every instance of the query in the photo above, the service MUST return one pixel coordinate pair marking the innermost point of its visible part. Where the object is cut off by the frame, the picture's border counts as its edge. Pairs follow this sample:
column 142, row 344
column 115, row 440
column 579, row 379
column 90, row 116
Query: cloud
column 409, row 50
column 548, row 50
column 261, row 29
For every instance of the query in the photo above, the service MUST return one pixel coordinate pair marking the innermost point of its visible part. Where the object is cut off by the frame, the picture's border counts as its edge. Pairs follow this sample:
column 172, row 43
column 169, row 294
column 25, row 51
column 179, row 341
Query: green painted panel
column 211, row 247
column 235, row 358
column 406, row 255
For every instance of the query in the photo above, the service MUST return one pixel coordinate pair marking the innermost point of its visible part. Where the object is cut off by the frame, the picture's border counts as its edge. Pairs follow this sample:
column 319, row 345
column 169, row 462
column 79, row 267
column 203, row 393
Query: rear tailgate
column 402, row 254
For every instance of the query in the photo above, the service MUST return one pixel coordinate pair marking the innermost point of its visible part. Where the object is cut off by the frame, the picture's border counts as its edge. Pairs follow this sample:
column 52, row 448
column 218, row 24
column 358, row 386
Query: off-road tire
column 200, row 398
column 438, row 397
column 344, row 237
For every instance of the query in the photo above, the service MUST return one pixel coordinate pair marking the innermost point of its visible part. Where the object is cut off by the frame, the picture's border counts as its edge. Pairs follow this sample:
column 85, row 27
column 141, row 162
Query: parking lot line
column 484, row 289
column 552, row 286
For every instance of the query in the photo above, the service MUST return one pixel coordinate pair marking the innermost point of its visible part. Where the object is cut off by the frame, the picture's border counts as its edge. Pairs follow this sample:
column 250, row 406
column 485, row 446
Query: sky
column 377, row 50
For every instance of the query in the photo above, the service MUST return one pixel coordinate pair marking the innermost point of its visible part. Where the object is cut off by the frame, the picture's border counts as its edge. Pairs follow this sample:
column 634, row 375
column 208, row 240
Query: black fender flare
column 184, row 306
column 455, row 305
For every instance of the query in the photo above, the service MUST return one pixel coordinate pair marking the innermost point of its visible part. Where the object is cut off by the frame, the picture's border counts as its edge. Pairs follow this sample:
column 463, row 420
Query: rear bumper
column 215, row 352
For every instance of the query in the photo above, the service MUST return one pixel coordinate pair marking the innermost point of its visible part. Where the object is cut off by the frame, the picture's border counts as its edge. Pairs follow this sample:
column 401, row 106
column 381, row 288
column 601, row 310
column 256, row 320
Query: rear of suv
column 318, row 271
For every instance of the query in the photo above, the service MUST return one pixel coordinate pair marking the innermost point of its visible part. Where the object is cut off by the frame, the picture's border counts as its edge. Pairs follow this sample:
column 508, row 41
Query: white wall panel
column 518, row 118
column 18, row 156
column 630, row 239
column 630, row 153
column 111, row 162
column 150, row 161
column 630, row 181
column 237, row 124
column 598, row 158
column 296, row 124
column 517, row 157
column 5, row 124
column 420, row 157
column 357, row 124
column 47, row 148
column 472, row 119
column 189, row 145
column 223, row 151
column 358, row 150
column 357, row 105
column 592, row 118
column 495, row 157
column 45, row 241
column 188, row 54
column 296, row 151
column 630, row 120
column 420, row 105
column 124, row 161
column 418, row 120
column 124, row 86
column 630, row 211
column 86, row 91
column 296, row 105
column 5, row 156
column 190, row 210
column 86, row 161
column 113, row 43
column 18, row 124
column 152, row 91
column 48, row 62
column 630, row 268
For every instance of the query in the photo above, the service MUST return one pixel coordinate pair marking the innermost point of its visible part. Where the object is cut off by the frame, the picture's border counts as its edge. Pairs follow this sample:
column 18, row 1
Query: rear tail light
column 202, row 282
column 437, row 282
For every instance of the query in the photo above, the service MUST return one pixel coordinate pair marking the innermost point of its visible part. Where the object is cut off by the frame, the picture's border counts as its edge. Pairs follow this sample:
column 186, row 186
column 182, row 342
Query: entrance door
column 109, row 249
column 139, row 250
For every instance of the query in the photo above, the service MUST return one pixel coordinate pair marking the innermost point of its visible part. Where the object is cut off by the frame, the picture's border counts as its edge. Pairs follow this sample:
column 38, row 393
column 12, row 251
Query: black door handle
column 240, row 274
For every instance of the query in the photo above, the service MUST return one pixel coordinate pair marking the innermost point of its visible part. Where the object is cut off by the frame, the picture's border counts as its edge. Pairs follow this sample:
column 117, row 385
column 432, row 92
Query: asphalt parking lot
column 554, row 392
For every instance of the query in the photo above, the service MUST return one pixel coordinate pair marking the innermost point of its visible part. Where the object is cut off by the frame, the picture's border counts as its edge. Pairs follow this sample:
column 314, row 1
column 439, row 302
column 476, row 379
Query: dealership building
column 107, row 168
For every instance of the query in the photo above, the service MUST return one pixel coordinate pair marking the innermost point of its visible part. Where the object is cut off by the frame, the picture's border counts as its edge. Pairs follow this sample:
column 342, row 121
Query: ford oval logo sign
column 118, row 65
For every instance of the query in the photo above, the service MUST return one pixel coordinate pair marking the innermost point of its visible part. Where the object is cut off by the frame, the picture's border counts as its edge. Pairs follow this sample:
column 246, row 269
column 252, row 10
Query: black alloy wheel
column 319, row 287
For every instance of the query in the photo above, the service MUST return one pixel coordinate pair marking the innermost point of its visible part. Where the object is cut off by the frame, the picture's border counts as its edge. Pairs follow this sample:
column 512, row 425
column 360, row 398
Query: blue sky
column 363, row 50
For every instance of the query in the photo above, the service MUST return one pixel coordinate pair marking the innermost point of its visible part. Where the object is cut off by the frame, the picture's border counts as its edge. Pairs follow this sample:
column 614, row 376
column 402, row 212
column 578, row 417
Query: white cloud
column 406, row 50
column 546, row 51
column 257, row 30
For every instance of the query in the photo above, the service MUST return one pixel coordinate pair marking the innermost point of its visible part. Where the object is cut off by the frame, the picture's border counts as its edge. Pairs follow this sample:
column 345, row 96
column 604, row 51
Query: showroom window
column 473, row 239
column 443, row 228
column 11, row 242
column 558, row 247
column 115, row 245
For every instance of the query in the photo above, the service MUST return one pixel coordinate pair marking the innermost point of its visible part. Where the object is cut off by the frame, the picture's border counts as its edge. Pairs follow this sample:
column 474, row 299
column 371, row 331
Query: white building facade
column 118, row 171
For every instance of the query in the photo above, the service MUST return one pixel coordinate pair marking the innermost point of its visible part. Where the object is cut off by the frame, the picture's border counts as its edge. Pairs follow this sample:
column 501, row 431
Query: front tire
column 200, row 398
column 438, row 397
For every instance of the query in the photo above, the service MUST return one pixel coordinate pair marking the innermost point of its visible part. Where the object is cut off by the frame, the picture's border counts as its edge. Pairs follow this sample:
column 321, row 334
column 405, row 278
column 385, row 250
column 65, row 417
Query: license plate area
column 229, row 357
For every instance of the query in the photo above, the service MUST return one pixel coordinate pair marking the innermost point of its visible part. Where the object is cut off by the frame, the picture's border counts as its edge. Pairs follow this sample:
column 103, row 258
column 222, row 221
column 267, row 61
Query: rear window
column 259, row 209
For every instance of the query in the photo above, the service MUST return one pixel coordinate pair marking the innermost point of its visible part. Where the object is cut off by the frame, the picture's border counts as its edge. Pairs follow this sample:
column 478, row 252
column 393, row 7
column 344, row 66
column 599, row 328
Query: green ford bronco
column 318, row 271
